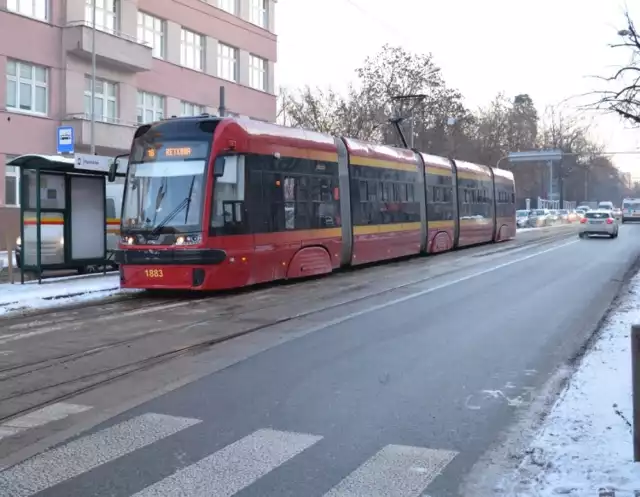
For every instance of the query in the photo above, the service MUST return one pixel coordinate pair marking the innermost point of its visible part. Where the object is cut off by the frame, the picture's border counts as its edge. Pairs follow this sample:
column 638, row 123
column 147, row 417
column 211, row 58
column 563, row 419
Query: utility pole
column 412, row 141
column 93, row 77
column 222, row 109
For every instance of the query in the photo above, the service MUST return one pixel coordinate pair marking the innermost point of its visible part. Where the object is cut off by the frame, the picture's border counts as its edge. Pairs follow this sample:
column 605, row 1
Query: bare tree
column 624, row 99
column 442, row 125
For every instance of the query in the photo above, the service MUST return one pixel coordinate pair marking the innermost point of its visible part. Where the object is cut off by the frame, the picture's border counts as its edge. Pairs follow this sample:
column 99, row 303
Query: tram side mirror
column 224, row 162
column 218, row 166
column 113, row 169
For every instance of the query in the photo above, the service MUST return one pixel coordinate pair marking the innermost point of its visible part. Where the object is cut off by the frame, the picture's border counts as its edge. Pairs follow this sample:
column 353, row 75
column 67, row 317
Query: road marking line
column 233, row 468
column 395, row 471
column 48, row 414
column 412, row 296
column 75, row 458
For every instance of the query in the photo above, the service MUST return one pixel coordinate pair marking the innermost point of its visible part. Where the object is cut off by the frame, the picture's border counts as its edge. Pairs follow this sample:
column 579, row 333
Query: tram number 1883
column 153, row 273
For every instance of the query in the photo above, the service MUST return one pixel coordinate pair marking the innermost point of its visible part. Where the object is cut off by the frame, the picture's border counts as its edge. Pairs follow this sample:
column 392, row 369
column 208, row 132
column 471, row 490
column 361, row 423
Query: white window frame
column 228, row 58
column 191, row 109
column 152, row 30
column 191, row 47
column 13, row 173
column 259, row 13
column 103, row 95
column 20, row 81
column 107, row 13
column 37, row 9
column 258, row 68
column 150, row 103
column 230, row 6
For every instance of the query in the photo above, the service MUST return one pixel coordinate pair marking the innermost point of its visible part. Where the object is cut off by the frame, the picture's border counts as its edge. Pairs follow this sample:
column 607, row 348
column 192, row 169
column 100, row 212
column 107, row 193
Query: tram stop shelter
column 63, row 212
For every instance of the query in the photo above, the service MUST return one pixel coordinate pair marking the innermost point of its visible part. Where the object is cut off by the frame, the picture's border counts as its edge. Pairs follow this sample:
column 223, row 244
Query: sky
column 549, row 49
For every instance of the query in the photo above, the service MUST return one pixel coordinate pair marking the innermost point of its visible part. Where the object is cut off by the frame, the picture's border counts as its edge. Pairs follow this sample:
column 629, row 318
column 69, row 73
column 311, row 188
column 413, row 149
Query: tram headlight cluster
column 189, row 239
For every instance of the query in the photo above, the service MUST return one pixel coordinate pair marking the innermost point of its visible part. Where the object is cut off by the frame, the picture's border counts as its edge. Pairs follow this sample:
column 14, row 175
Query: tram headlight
column 189, row 239
column 19, row 241
column 62, row 241
column 126, row 240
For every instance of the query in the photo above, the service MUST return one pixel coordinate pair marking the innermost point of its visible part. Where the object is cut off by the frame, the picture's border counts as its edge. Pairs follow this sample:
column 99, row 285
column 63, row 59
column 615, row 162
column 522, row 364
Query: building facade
column 155, row 58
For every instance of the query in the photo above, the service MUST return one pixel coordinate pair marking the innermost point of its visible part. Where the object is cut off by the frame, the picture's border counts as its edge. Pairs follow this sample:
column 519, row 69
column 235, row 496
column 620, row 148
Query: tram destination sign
column 176, row 151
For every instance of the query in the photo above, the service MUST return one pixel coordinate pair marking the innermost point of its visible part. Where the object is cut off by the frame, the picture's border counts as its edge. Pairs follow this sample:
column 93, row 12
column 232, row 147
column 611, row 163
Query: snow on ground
column 585, row 444
column 58, row 291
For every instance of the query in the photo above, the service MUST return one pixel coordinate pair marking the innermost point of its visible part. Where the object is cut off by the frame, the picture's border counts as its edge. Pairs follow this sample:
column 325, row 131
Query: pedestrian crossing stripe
column 395, row 471
column 226, row 472
column 82, row 455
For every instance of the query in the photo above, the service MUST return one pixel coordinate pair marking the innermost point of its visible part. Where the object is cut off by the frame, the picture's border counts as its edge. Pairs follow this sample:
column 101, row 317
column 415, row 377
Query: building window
column 106, row 14
column 11, row 183
column 189, row 109
column 151, row 31
column 259, row 13
column 227, row 62
column 230, row 6
column 150, row 107
column 257, row 73
column 27, row 87
column 191, row 50
column 105, row 98
column 32, row 8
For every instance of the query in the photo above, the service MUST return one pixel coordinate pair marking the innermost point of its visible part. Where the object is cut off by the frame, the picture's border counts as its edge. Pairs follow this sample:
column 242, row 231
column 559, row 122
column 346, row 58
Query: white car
column 600, row 222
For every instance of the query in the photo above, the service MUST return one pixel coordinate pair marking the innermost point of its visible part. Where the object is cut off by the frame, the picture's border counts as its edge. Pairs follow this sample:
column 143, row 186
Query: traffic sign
column 535, row 155
column 100, row 163
column 66, row 140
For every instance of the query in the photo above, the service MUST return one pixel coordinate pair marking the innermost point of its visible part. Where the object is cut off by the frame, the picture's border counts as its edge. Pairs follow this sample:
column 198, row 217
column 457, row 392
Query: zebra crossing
column 394, row 471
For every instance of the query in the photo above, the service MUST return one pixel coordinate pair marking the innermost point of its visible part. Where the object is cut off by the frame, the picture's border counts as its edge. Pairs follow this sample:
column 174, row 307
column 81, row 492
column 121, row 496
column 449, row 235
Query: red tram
column 216, row 203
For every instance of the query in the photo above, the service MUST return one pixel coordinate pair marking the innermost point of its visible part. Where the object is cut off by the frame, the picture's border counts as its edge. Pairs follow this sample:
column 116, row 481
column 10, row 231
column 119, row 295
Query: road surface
column 391, row 381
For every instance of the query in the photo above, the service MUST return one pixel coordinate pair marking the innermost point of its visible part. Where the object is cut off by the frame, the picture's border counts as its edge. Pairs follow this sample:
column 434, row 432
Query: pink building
column 155, row 58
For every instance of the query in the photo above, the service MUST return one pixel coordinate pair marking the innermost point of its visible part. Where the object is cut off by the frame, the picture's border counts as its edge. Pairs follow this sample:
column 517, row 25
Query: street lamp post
column 93, row 77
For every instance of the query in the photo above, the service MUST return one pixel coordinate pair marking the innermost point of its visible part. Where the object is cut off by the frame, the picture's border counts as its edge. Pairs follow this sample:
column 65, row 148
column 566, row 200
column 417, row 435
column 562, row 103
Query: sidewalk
column 585, row 445
column 57, row 291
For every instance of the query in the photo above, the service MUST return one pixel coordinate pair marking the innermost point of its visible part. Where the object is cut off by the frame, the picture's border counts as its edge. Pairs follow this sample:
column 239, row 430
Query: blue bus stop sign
column 66, row 140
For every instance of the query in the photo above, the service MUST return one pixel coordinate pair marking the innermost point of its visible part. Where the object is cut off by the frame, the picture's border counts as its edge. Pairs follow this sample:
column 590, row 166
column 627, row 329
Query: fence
column 555, row 204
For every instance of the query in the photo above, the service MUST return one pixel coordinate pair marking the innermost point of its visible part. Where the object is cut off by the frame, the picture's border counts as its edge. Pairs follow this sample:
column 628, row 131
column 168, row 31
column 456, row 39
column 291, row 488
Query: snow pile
column 57, row 291
column 585, row 445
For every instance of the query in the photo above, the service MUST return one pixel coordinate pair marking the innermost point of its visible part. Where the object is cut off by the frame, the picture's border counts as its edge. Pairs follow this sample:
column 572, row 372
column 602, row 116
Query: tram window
column 255, row 206
column 363, row 190
column 228, row 188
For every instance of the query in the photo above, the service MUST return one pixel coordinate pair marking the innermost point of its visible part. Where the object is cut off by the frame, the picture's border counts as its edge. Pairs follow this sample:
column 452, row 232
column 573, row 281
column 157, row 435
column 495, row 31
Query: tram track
column 241, row 319
column 140, row 298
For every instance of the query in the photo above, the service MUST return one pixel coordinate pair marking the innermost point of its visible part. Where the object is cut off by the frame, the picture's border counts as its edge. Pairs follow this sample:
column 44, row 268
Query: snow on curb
column 63, row 292
column 586, row 444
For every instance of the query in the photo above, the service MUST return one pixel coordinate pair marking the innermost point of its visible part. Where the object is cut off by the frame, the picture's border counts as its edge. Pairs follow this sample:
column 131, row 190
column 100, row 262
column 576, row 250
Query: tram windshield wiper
column 183, row 203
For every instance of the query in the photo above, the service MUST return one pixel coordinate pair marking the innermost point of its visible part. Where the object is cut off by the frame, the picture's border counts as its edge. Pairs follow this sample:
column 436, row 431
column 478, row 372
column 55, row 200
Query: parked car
column 539, row 218
column 574, row 216
column 522, row 218
column 617, row 213
column 563, row 214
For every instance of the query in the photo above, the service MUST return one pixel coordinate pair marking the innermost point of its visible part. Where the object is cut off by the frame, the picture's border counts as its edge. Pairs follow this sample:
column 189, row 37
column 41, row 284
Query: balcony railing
column 114, row 48
column 109, row 31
